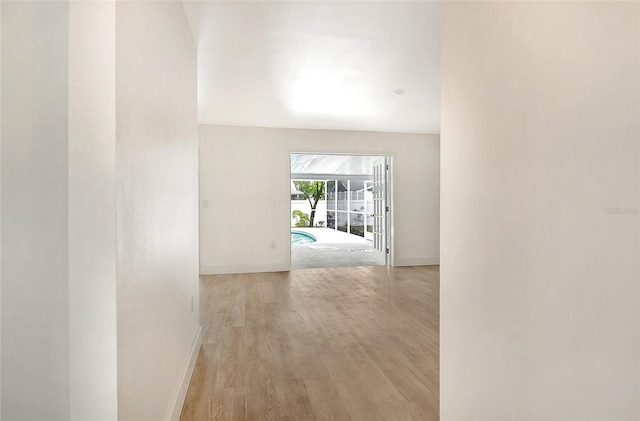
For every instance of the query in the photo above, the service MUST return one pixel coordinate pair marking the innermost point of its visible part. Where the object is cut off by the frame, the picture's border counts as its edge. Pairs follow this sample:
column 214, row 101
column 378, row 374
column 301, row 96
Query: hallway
column 342, row 343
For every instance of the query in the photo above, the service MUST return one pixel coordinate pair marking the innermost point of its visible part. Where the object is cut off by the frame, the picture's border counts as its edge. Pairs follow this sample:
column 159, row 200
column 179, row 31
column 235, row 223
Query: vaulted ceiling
column 319, row 64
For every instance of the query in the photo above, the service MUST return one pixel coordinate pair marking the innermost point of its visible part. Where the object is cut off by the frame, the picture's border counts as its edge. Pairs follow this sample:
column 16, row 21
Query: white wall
column 251, row 165
column 156, row 204
column 35, row 310
column 540, row 194
column 59, row 334
column 0, row 210
column 60, row 195
column 92, row 215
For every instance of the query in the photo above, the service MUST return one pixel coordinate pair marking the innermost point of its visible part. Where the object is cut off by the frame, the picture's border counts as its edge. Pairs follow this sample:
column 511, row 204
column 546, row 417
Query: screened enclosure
column 350, row 206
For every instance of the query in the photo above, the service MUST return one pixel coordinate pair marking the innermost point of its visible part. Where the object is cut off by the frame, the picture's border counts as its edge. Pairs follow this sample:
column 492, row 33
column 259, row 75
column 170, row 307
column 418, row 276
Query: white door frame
column 389, row 191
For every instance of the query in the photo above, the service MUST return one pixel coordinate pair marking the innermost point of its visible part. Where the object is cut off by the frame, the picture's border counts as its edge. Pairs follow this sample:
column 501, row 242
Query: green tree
column 302, row 219
column 314, row 191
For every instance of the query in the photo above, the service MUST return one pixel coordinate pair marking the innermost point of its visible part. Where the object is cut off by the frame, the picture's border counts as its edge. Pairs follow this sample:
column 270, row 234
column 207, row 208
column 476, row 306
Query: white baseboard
column 224, row 269
column 184, row 386
column 417, row 261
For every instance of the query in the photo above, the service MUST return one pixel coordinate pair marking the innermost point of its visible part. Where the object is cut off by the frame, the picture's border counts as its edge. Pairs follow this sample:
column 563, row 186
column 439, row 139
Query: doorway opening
column 340, row 210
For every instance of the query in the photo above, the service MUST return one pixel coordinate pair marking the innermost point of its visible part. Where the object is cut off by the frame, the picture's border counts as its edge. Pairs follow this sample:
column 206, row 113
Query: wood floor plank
column 318, row 344
column 423, row 401
column 256, row 344
column 391, row 403
column 325, row 400
column 235, row 303
column 261, row 394
column 355, row 395
column 239, row 405
column 198, row 400
column 252, row 302
column 320, row 335
column 221, row 404
column 346, row 342
column 287, row 376
column 231, row 371
column 306, row 356
column 294, row 398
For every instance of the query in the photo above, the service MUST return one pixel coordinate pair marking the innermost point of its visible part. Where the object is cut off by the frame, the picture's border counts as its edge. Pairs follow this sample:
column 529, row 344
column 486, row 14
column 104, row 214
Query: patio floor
column 333, row 249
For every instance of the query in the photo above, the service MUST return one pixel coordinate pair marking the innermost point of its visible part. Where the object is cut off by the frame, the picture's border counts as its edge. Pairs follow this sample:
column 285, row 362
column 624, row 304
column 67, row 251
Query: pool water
column 299, row 237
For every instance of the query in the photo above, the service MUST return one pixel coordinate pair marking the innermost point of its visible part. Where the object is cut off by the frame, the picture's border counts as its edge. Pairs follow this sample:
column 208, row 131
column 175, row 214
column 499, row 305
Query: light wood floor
column 326, row 344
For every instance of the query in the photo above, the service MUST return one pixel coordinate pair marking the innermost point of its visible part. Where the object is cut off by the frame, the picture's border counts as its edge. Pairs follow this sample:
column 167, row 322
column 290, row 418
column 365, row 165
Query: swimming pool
column 299, row 237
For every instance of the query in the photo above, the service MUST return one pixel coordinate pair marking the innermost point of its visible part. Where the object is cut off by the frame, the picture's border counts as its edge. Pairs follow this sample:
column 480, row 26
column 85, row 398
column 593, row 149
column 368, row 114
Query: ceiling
column 318, row 64
column 328, row 166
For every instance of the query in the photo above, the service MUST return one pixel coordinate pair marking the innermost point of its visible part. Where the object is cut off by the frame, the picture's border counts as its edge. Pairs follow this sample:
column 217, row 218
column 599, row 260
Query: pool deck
column 333, row 249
